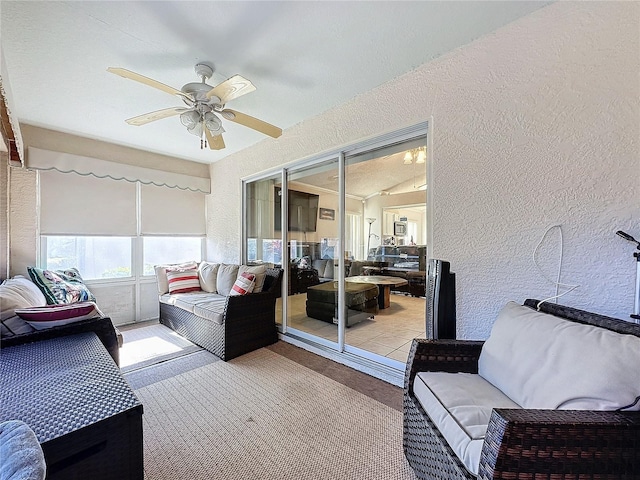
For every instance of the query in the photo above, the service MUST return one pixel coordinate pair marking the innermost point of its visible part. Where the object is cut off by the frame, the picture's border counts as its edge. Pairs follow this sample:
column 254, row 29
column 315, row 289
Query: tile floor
column 389, row 333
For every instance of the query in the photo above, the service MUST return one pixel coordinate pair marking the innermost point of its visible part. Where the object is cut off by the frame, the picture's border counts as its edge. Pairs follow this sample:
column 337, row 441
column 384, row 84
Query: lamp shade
column 190, row 119
column 213, row 124
column 196, row 129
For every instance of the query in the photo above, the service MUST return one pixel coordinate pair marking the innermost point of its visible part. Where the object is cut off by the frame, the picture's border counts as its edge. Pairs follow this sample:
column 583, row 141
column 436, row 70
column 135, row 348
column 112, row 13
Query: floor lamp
column 636, row 255
column 370, row 220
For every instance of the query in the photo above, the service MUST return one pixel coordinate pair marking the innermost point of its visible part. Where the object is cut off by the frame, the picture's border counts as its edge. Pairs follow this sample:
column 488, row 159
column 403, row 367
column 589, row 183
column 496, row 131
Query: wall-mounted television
column 303, row 210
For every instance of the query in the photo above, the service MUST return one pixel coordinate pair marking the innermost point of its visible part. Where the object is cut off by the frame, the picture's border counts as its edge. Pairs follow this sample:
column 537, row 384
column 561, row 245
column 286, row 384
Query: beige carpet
column 263, row 416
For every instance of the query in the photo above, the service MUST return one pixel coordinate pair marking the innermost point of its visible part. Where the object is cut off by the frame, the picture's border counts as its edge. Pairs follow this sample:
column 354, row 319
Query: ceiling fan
column 205, row 106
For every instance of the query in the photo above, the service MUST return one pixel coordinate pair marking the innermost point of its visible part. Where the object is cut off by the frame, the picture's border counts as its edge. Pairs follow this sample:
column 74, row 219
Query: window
column 272, row 250
column 252, row 249
column 116, row 233
column 161, row 250
column 412, row 233
column 95, row 257
column 353, row 234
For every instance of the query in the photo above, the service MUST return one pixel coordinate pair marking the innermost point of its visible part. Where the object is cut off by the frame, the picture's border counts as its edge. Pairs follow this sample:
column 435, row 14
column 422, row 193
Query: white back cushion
column 227, row 275
column 207, row 274
column 19, row 292
column 542, row 361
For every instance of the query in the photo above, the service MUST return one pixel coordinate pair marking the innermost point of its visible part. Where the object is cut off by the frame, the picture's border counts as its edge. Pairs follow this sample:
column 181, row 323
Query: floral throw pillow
column 61, row 286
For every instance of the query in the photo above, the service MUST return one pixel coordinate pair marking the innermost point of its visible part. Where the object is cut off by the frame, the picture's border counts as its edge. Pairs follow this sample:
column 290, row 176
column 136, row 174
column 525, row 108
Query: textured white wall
column 535, row 124
column 22, row 221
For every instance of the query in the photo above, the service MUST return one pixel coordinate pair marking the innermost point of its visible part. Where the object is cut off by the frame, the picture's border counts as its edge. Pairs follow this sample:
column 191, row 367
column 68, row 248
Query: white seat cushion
column 212, row 310
column 543, row 361
column 206, row 305
column 460, row 405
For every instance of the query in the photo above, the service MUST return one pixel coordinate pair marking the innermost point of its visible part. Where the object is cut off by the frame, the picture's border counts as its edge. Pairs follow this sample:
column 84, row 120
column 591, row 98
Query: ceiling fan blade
column 251, row 122
column 215, row 143
column 123, row 72
column 231, row 88
column 153, row 116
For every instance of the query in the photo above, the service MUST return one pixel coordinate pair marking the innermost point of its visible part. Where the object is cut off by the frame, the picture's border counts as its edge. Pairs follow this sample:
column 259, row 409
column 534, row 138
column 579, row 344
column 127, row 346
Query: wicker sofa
column 227, row 326
column 555, row 431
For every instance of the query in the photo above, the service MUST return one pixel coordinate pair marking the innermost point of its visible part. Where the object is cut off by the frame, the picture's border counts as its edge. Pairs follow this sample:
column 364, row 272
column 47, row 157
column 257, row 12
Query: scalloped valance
column 40, row 159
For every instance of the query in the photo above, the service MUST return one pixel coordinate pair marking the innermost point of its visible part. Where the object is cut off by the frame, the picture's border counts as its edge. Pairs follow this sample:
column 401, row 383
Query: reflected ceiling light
column 419, row 155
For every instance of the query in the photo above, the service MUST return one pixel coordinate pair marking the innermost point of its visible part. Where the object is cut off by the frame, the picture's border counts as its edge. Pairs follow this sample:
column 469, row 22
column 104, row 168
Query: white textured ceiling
column 303, row 57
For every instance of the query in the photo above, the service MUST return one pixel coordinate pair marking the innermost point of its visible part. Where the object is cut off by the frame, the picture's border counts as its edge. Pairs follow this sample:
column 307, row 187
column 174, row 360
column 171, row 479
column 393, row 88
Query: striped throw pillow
column 244, row 284
column 183, row 281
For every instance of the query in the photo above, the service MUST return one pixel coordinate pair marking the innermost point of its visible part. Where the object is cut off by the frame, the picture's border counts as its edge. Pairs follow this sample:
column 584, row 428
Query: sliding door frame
column 421, row 130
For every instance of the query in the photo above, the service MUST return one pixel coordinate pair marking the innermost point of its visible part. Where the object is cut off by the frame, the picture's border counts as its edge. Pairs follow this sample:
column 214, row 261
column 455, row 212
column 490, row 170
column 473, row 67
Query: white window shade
column 72, row 204
column 169, row 211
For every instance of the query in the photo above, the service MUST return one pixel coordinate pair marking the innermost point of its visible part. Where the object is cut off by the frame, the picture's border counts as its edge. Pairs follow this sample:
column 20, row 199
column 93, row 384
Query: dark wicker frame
column 101, row 326
column 523, row 444
column 249, row 322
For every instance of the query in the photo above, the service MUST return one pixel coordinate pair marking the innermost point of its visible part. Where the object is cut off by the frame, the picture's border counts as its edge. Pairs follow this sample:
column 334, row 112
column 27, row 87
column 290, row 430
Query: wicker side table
column 73, row 396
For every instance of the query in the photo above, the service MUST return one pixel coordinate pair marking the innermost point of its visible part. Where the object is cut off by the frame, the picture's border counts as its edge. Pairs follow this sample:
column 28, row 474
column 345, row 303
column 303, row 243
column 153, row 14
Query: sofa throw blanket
column 20, row 451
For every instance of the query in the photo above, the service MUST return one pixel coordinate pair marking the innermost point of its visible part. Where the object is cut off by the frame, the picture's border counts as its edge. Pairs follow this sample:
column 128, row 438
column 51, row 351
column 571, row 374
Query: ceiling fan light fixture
column 196, row 129
column 408, row 158
column 190, row 119
column 206, row 104
column 213, row 123
column 422, row 156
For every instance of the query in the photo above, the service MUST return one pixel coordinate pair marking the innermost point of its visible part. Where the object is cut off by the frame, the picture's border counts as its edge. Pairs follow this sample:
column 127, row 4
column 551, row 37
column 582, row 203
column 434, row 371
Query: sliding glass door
column 262, row 242
column 350, row 231
column 312, row 236
column 386, row 191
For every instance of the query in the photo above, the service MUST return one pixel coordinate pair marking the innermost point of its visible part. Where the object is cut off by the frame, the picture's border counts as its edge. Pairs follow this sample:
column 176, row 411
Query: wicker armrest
column 251, row 304
column 561, row 444
column 441, row 356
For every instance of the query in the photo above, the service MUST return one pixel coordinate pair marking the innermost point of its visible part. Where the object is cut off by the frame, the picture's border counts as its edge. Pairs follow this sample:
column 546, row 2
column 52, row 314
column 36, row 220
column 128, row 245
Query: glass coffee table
column 384, row 284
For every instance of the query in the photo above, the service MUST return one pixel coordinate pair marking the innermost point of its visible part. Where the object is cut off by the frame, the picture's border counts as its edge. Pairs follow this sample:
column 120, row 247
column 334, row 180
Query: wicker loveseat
column 569, row 440
column 227, row 326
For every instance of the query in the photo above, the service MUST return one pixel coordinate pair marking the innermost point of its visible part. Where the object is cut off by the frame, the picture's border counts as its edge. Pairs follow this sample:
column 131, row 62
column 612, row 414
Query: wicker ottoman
column 73, row 396
column 361, row 302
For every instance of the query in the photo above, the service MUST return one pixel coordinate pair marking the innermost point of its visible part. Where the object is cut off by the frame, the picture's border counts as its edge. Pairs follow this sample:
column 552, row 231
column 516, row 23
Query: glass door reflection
column 312, row 246
column 263, row 244
column 385, row 247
